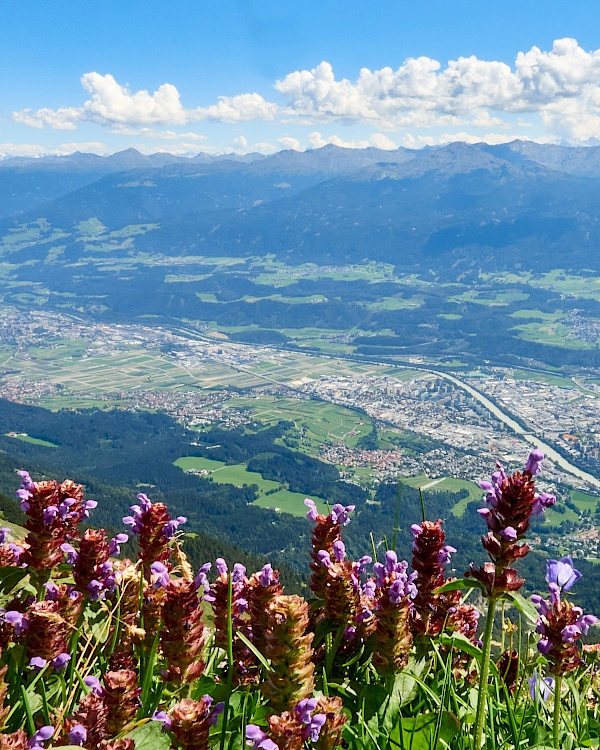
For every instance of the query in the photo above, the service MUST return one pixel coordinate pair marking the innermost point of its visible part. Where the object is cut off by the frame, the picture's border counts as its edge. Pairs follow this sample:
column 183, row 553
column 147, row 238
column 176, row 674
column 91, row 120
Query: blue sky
column 241, row 75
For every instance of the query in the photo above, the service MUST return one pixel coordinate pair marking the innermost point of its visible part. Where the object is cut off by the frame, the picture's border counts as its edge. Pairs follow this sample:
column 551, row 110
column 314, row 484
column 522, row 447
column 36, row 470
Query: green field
column 553, row 334
column 236, row 474
column 29, row 439
column 446, row 484
column 584, row 501
column 540, row 377
column 318, row 422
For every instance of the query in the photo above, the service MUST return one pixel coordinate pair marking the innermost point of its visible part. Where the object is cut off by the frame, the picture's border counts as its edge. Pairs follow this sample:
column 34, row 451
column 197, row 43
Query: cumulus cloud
column 113, row 104
column 562, row 86
column 241, row 145
column 34, row 149
column 290, row 143
column 560, row 89
column 155, row 133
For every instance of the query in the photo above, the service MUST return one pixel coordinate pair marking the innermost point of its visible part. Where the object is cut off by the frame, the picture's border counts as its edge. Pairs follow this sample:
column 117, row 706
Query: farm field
column 280, row 499
column 28, row 439
column 319, row 422
column 447, row 484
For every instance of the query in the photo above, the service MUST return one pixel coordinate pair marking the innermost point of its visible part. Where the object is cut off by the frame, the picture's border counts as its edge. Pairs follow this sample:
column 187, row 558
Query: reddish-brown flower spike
column 182, row 634
column 4, row 709
column 288, row 646
column 94, row 552
column 14, row 740
column 286, row 731
column 261, row 591
column 123, row 657
column 48, row 634
column 430, row 557
column 92, row 714
column 121, row 698
column 53, row 512
column 330, row 736
column 190, row 723
column 123, row 743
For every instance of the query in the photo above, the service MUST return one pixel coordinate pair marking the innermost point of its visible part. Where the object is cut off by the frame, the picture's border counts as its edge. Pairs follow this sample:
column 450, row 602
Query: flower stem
column 556, row 722
column 484, row 674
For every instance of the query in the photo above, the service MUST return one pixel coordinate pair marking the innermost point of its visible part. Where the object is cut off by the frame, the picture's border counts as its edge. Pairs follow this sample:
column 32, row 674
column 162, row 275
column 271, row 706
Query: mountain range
column 459, row 206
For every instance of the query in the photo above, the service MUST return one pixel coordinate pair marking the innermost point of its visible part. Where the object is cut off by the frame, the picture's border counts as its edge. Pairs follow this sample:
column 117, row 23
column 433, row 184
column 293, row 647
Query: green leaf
column 419, row 731
column 523, row 605
column 149, row 736
column 462, row 643
column 460, row 583
column 262, row 659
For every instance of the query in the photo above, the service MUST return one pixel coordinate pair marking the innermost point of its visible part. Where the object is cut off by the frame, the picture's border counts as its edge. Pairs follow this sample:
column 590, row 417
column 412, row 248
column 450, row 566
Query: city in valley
column 436, row 429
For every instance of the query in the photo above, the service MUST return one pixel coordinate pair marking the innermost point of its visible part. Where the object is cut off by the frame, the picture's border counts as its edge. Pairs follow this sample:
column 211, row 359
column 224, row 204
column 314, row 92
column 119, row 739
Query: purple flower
column 221, row 566
column 201, row 579
column 542, row 501
column 266, row 577
column 444, row 555
column 86, row 507
column 324, row 558
column 259, row 739
column 70, row 552
column 544, row 646
column 78, row 735
column 339, row 550
column 93, row 683
column 586, row 622
column 304, row 709
column 164, row 718
column 313, row 730
column 65, row 506
column 361, row 565
column 38, row 663
column 340, row 515
column 26, row 481
column 509, row 533
column 95, row 590
column 540, row 689
column 312, row 512
column 50, row 514
column 239, row 573
column 4, row 535
column 17, row 620
column 171, row 526
column 217, row 710
column 60, row 662
column 43, row 734
column 562, row 573
column 160, row 575
column 52, row 592
column 117, row 540
column 533, row 462
column 570, row 633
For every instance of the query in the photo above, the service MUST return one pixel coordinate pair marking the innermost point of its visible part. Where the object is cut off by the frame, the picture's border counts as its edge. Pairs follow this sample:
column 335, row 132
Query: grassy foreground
column 103, row 652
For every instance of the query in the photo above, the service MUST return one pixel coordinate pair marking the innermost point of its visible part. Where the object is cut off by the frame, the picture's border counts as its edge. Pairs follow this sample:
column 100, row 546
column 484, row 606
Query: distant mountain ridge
column 466, row 205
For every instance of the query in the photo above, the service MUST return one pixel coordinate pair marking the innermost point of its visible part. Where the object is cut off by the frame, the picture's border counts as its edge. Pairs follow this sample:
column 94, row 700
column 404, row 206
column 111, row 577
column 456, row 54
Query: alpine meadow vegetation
column 101, row 651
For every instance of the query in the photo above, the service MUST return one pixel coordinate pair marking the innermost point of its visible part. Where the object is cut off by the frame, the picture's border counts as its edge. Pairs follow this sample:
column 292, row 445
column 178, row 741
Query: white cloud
column 154, row 133
column 59, row 119
column 237, row 109
column 560, row 88
column 242, row 146
column 378, row 140
column 34, row 149
column 290, row 143
column 112, row 104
